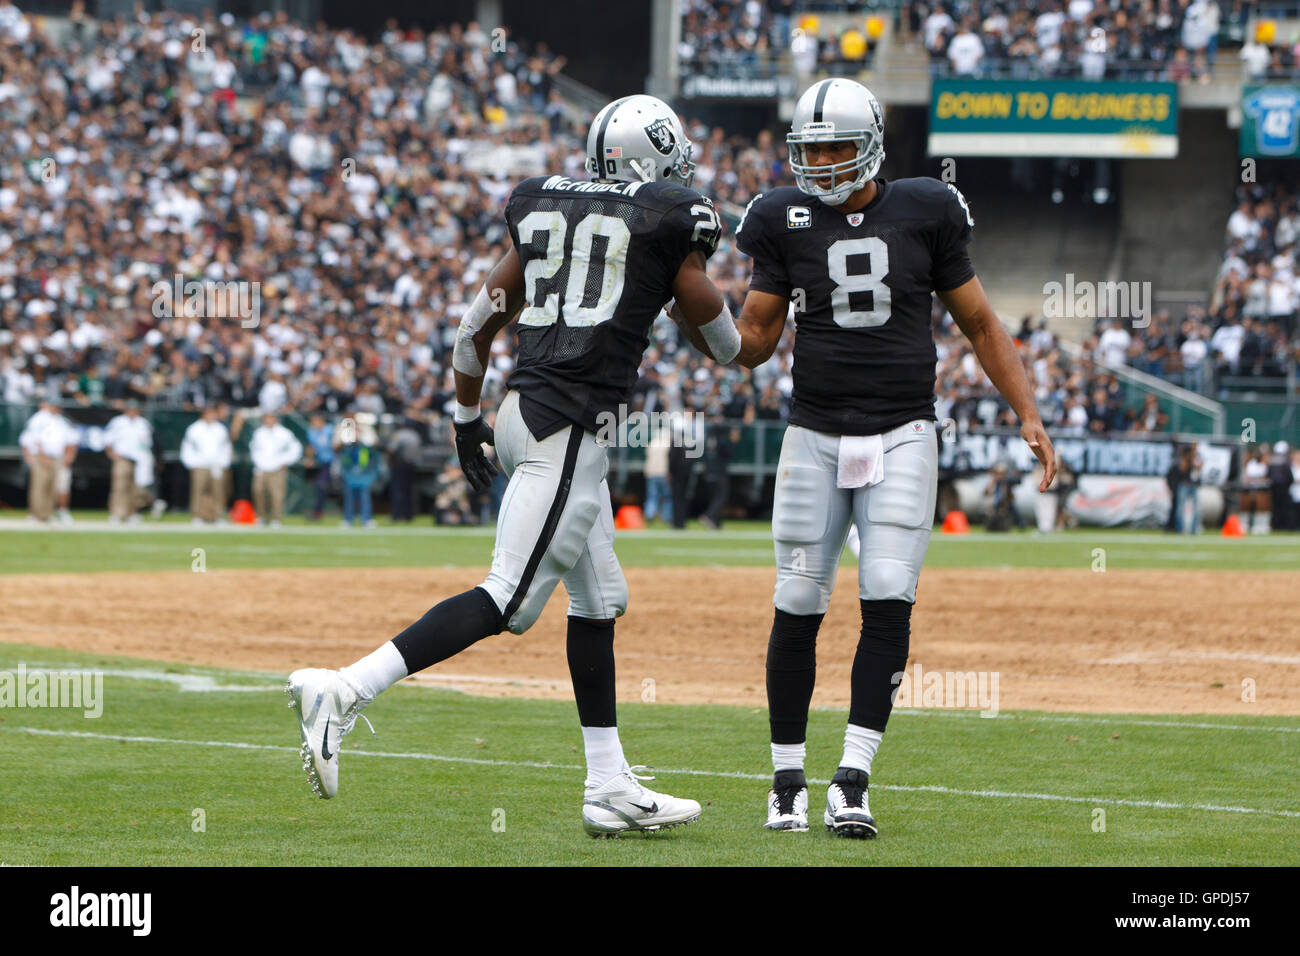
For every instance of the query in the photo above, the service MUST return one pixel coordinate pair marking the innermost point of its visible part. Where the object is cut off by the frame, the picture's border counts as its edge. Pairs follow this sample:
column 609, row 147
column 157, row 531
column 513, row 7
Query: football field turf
column 93, row 546
column 178, row 772
column 195, row 766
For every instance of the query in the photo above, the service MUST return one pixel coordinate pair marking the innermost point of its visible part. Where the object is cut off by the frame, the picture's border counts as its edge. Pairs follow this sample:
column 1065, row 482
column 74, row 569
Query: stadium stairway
column 1030, row 242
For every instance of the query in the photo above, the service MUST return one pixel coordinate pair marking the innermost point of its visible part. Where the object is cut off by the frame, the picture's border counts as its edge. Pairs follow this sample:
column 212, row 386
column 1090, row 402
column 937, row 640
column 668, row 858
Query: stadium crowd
column 1080, row 39
column 359, row 187
column 1084, row 39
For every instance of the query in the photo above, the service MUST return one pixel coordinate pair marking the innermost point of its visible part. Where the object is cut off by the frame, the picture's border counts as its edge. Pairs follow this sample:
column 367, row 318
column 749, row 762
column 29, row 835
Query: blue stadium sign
column 1270, row 121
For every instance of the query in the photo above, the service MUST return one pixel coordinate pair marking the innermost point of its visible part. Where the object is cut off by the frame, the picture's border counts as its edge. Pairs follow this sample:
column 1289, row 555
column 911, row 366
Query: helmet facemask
column 683, row 168
column 866, row 164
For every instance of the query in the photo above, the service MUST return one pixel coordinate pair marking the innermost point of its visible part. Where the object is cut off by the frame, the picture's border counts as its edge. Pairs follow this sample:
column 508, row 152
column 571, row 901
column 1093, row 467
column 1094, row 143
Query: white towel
column 144, row 469
column 862, row 461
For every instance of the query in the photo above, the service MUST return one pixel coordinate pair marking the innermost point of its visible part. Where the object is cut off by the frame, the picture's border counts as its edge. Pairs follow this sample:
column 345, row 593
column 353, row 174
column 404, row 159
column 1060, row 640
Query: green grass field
column 455, row 779
column 167, row 545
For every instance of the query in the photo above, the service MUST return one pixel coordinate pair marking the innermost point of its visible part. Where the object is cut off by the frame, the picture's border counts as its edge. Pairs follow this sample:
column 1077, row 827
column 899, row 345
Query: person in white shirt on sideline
column 49, row 444
column 206, row 452
column 273, row 449
column 128, row 442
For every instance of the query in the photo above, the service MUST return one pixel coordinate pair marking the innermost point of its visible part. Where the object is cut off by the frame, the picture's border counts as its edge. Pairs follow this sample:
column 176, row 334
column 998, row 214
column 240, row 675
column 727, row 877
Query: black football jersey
column 860, row 284
column 599, row 261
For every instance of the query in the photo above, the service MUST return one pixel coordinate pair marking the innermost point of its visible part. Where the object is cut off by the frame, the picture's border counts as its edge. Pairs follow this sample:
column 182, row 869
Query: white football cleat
column 847, row 812
column 327, row 707
column 623, row 805
column 787, row 802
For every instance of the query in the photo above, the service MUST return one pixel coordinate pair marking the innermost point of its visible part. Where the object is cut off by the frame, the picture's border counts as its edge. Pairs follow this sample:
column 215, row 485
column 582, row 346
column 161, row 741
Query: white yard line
column 924, row 788
column 209, row 683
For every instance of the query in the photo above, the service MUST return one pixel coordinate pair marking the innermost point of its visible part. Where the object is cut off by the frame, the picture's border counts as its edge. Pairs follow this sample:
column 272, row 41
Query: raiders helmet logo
column 661, row 136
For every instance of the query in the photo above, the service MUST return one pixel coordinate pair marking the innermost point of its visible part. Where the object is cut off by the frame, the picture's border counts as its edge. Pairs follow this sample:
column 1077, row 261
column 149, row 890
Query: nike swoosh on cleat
column 325, row 741
column 653, row 808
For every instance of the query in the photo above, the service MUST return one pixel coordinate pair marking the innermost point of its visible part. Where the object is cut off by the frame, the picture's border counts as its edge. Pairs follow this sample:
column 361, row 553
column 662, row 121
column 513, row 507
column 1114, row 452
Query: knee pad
column 800, row 596
column 887, row 579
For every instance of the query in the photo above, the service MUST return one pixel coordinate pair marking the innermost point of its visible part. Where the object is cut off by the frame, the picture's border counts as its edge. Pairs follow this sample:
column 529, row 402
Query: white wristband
column 722, row 336
column 466, row 413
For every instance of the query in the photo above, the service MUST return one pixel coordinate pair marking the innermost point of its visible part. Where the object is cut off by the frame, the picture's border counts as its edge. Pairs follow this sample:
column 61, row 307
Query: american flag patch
column 614, row 152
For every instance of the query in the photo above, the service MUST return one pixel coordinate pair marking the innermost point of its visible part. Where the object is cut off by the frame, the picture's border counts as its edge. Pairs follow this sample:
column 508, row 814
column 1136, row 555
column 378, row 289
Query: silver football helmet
column 832, row 111
column 639, row 139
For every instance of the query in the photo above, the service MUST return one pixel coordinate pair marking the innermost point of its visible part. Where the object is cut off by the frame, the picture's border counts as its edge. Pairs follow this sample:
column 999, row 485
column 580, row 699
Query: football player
column 591, row 265
column 858, row 256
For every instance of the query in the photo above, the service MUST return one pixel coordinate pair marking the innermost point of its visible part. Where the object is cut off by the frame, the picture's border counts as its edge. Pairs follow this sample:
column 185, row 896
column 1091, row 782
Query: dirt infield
column 1118, row 641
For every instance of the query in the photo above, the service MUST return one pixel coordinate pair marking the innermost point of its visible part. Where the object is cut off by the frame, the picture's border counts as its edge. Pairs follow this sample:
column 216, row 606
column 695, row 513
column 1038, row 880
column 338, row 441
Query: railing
column 1029, row 69
column 1188, row 411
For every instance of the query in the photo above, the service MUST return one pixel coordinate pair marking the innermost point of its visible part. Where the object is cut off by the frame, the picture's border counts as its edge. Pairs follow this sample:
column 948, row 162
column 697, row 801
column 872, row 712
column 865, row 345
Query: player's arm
column 701, row 313
column 997, row 354
column 496, row 304
column 761, row 322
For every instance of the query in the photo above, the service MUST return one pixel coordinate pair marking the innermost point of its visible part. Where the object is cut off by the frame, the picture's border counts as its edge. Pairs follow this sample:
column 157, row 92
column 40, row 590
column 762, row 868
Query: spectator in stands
column 206, row 452
column 965, row 50
column 938, row 22
column 273, row 449
column 1150, row 417
column 1103, row 416
column 1193, row 352
column 1113, row 344
column 1226, row 342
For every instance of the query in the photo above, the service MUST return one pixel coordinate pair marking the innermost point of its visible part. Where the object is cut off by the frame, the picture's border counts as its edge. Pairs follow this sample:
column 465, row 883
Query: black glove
column 470, row 439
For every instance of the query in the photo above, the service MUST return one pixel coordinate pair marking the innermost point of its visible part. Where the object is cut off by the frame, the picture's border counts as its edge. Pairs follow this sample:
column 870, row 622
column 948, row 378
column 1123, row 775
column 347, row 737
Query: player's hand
column 1035, row 435
column 470, row 439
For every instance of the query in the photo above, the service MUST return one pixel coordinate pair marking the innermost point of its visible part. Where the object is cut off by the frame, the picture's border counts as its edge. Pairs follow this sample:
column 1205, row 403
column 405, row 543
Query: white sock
column 788, row 756
column 604, row 755
column 376, row 672
column 860, row 746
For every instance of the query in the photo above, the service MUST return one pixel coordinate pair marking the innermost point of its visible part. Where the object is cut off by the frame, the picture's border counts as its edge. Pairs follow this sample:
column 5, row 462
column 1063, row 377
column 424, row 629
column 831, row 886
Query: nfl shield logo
column 855, row 219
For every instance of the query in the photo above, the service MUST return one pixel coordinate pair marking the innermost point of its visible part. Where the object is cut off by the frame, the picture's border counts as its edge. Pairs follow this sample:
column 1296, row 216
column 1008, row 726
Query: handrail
column 1172, row 393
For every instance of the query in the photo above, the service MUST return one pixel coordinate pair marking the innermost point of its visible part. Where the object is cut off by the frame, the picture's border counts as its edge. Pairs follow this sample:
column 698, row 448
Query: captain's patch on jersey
column 798, row 217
